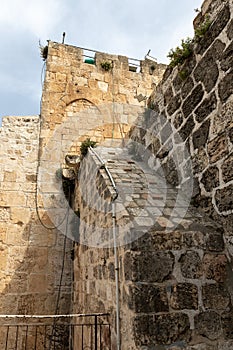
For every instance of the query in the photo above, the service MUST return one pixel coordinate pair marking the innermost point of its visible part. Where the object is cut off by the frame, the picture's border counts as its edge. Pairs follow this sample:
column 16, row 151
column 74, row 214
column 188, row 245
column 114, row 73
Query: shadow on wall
column 31, row 275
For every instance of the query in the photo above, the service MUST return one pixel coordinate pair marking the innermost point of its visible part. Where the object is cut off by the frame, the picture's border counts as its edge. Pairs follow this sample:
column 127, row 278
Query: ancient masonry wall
column 72, row 86
column 176, row 286
column 175, row 281
column 31, row 256
column 32, row 154
column 193, row 104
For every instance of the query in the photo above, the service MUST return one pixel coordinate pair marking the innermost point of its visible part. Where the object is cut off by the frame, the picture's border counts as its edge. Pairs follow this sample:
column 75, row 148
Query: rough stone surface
column 192, row 100
column 172, row 327
column 210, row 178
column 159, row 266
column 227, row 60
column 190, row 264
column 215, row 267
column 208, row 324
column 217, row 148
column 215, row 296
column 227, row 167
column 227, row 320
column 174, row 278
column 201, row 135
column 187, row 129
column 215, row 242
column 149, row 298
column 184, row 296
column 224, row 199
column 207, row 72
column 230, row 29
column 225, row 87
column 215, row 29
column 206, row 107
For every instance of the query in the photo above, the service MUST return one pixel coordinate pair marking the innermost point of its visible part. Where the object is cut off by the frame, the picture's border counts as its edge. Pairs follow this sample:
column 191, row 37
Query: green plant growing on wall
column 202, row 29
column 183, row 74
column 85, row 145
column 43, row 51
column 106, row 65
column 178, row 55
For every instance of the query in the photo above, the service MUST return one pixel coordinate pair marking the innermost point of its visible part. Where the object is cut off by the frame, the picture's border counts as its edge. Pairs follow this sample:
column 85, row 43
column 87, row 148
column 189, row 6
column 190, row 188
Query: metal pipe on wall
column 114, row 226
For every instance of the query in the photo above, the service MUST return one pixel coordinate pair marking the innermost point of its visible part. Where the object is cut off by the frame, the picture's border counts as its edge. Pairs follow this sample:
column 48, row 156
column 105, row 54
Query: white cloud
column 34, row 16
column 128, row 27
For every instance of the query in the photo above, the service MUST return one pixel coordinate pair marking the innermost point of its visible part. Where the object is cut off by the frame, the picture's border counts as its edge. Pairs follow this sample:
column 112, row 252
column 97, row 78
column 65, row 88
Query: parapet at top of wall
column 78, row 79
column 81, row 56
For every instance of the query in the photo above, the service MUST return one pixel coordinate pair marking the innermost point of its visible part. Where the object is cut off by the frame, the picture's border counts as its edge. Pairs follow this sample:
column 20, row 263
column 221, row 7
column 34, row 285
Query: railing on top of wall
column 89, row 57
column 60, row 332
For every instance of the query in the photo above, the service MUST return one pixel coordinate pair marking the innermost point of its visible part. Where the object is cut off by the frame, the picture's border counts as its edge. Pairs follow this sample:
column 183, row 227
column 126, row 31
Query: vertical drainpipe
column 116, row 272
column 114, row 226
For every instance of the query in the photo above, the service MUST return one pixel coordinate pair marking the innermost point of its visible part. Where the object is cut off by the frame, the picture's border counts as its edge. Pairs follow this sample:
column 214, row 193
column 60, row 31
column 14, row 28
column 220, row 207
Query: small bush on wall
column 179, row 54
column 106, row 65
column 85, row 145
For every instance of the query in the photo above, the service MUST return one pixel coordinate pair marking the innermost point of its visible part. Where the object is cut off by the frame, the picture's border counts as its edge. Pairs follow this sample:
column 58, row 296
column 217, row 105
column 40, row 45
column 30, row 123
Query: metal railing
column 61, row 332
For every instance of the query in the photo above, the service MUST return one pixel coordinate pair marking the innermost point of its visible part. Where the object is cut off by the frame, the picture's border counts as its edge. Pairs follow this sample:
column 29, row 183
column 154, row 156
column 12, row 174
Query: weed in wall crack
column 179, row 55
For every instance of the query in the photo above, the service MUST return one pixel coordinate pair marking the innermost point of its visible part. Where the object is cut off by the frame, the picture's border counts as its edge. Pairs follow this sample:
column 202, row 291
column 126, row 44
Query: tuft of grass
column 202, row 29
column 106, row 65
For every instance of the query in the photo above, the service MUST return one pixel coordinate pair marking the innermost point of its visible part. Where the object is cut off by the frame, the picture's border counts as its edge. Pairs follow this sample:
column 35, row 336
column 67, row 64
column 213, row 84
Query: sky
column 129, row 27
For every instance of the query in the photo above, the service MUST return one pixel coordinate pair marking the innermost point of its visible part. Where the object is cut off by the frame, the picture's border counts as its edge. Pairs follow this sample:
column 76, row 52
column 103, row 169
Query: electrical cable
column 42, row 74
column 116, row 258
column 61, row 277
column 37, row 174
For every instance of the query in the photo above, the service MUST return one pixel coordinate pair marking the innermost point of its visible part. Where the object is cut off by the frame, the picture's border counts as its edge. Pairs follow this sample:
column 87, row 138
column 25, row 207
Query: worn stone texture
column 199, row 108
column 31, row 256
column 175, row 272
column 173, row 269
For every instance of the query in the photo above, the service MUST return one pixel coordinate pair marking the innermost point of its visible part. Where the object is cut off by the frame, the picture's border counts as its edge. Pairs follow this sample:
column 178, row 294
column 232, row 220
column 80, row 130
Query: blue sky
column 129, row 27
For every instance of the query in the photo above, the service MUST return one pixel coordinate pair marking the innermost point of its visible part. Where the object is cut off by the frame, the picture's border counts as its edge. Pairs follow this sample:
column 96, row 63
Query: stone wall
column 192, row 113
column 175, row 280
column 79, row 100
column 72, row 86
column 176, row 277
column 31, row 255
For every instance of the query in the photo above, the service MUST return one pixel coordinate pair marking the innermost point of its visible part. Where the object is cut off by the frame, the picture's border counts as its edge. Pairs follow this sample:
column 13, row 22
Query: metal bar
column 134, row 59
column 54, row 336
column 26, row 338
column 70, row 345
column 100, row 336
column 109, row 336
column 108, row 173
column 88, row 56
column 96, row 335
column 89, row 334
column 91, row 337
column 82, row 338
column 45, row 336
column 35, row 338
column 96, row 51
column 53, row 316
column 16, row 340
column 7, row 334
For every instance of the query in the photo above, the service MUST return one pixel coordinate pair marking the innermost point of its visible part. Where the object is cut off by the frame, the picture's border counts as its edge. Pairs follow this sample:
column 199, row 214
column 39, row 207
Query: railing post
column 7, row 334
column 96, row 332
